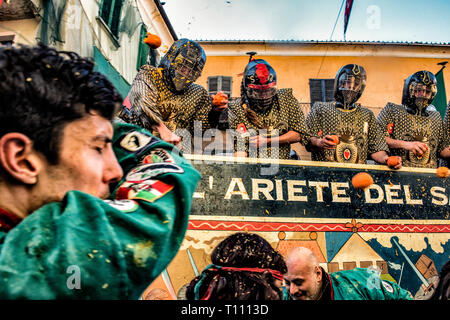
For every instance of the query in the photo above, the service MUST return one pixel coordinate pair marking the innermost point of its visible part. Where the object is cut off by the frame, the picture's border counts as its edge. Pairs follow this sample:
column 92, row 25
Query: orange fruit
column 392, row 161
column 362, row 180
column 334, row 139
column 220, row 99
column 442, row 172
column 152, row 40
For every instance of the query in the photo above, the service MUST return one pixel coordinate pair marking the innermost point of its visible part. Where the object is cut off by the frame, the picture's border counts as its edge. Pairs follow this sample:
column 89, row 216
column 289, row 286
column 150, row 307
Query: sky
column 370, row 20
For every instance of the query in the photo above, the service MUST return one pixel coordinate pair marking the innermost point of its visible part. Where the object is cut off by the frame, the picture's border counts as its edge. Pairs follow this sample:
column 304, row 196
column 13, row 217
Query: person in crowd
column 442, row 291
column 166, row 101
column 267, row 120
column 342, row 130
column 244, row 267
column 307, row 280
column 414, row 130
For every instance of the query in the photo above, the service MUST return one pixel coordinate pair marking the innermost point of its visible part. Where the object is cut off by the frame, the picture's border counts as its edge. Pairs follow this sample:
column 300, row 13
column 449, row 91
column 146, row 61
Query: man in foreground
column 58, row 149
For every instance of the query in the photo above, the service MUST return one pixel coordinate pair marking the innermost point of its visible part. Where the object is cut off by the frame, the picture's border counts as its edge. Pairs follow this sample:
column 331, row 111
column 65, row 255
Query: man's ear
column 19, row 159
column 319, row 273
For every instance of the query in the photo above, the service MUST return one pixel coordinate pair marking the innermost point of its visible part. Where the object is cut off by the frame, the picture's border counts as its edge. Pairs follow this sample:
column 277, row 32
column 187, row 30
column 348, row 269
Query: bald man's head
column 302, row 255
column 304, row 276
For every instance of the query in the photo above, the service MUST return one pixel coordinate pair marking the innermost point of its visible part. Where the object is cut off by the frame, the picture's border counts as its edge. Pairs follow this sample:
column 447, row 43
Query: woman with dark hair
column 244, row 267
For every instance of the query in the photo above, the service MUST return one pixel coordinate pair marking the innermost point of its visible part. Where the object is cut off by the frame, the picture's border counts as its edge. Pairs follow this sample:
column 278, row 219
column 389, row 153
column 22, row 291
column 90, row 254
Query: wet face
column 349, row 87
column 422, row 94
column 187, row 69
column 86, row 161
column 303, row 282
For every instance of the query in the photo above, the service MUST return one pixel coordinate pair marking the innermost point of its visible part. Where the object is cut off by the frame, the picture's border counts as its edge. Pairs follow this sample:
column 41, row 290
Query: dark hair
column 240, row 250
column 42, row 90
column 442, row 291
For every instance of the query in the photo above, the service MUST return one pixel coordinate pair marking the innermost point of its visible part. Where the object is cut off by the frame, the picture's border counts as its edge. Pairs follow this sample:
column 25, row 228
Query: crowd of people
column 266, row 120
column 95, row 206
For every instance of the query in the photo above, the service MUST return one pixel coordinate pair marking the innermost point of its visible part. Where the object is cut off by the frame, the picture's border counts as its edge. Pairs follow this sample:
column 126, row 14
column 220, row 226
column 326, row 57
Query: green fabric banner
column 440, row 101
column 103, row 66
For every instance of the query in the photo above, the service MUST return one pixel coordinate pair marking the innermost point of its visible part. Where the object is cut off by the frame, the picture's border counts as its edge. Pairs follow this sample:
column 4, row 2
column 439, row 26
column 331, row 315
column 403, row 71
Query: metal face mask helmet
column 349, row 85
column 259, row 84
column 183, row 64
column 419, row 90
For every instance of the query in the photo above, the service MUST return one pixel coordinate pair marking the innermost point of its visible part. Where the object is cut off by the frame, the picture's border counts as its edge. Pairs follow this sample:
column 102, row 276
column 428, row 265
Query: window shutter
column 321, row 90
column 110, row 13
column 329, row 89
column 143, row 49
column 220, row 83
column 213, row 84
column 114, row 26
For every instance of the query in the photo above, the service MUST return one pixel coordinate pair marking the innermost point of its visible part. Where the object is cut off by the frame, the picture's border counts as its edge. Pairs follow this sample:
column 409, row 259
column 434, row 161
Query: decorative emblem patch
column 135, row 141
column 149, row 190
column 148, row 171
column 390, row 128
column 241, row 128
column 158, row 156
column 123, row 205
column 346, row 153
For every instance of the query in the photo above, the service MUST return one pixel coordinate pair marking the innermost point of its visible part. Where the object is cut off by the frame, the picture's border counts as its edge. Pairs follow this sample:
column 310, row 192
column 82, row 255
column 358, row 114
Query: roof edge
column 432, row 44
column 166, row 20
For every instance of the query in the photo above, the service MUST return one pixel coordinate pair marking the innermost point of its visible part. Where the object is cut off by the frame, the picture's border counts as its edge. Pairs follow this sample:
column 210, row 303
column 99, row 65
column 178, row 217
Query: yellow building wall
column 386, row 72
column 385, row 75
column 24, row 30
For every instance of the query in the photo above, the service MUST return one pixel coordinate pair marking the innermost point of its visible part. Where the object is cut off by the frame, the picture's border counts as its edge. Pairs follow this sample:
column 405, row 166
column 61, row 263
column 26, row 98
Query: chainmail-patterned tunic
column 152, row 102
column 285, row 115
column 398, row 124
column 358, row 131
column 444, row 162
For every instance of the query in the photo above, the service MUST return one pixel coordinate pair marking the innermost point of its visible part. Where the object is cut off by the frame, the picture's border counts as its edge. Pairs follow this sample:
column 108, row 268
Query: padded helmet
column 183, row 64
column 419, row 90
column 349, row 85
column 259, row 84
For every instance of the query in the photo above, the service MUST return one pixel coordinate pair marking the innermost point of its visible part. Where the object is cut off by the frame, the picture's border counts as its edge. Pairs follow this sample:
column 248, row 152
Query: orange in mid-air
column 362, row 180
column 152, row 40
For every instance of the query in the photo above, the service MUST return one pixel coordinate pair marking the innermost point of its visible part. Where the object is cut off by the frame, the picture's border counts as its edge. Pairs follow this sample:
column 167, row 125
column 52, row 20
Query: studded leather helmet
column 183, row 64
column 419, row 90
column 349, row 85
column 259, row 84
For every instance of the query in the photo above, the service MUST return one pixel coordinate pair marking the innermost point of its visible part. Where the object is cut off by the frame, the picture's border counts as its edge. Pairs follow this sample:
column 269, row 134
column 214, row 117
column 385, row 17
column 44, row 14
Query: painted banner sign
column 319, row 190
column 399, row 225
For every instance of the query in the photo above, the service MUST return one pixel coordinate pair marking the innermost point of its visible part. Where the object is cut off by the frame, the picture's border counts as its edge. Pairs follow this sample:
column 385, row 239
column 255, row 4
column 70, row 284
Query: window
column 7, row 39
column 219, row 83
column 110, row 14
column 321, row 90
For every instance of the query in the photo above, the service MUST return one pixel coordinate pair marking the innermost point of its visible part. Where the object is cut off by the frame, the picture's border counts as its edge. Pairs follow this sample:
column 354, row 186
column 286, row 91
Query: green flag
column 440, row 100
